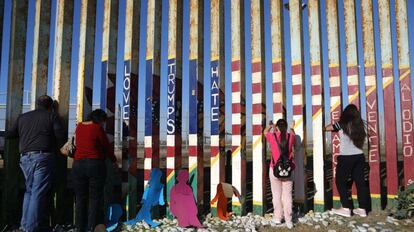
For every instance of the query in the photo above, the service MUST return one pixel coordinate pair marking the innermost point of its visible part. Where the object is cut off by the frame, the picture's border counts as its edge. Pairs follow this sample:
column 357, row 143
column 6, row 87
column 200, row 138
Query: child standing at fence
column 351, row 160
column 279, row 139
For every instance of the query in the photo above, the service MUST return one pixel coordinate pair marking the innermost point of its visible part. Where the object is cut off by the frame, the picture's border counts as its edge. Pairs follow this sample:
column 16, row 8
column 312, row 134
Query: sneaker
column 345, row 212
column 289, row 225
column 360, row 212
column 278, row 222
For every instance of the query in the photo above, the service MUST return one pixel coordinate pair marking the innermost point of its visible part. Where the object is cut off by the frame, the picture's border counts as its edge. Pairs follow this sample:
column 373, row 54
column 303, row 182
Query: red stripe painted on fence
column 369, row 71
column 236, row 129
column 256, row 87
column 297, row 89
column 334, row 71
column 296, row 69
column 257, row 107
column 335, row 92
column 235, row 108
column 316, row 70
column 215, row 151
column 256, row 67
column 235, row 65
column 277, row 87
column 390, row 132
column 352, row 70
column 235, row 87
column 373, row 132
column 277, row 66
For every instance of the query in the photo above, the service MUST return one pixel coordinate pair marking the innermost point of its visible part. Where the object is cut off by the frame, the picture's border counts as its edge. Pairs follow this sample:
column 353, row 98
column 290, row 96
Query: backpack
column 284, row 166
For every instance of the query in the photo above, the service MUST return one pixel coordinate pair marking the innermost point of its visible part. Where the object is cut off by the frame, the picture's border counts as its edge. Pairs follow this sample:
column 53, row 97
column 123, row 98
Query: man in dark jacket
column 39, row 132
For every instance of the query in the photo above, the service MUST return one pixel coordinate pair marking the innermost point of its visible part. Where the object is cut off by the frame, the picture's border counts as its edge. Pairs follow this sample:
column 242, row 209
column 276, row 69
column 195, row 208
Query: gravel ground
column 375, row 222
column 312, row 221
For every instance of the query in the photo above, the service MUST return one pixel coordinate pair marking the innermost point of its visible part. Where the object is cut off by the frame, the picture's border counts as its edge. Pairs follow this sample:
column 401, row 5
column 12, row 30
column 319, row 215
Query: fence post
column 351, row 60
column 351, row 54
column 405, row 91
column 278, row 79
column 317, row 107
column 12, row 175
column 238, row 90
column 40, row 56
column 113, row 189
column 130, row 107
column 217, row 142
column 334, row 85
column 259, row 106
column 389, row 101
column 298, row 92
column 86, row 58
column 61, row 90
column 196, row 102
column 371, row 104
column 152, row 88
column 174, row 93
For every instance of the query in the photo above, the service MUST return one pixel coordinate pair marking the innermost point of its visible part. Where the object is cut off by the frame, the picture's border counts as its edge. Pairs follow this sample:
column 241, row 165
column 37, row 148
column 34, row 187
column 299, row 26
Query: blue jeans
column 38, row 172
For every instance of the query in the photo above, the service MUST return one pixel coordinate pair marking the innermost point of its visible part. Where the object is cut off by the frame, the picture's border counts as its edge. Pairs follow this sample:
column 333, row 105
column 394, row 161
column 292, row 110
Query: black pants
column 89, row 180
column 352, row 165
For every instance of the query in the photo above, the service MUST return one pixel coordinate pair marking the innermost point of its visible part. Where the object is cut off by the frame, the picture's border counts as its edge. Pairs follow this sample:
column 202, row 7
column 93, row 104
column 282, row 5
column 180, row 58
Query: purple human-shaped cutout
column 153, row 196
column 182, row 202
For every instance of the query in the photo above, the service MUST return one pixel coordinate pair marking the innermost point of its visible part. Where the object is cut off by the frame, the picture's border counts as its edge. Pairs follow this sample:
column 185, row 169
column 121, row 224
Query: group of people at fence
column 40, row 132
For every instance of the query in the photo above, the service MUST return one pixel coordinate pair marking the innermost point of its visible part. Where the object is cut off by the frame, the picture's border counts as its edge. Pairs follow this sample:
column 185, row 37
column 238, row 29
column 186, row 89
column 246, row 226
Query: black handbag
column 284, row 166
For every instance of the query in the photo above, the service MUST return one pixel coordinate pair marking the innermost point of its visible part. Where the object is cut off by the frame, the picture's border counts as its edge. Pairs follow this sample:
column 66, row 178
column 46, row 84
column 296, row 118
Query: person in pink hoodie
column 280, row 139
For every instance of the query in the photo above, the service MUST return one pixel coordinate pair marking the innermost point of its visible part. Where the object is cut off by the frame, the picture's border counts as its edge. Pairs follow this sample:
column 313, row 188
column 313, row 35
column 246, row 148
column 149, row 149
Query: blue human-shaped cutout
column 153, row 196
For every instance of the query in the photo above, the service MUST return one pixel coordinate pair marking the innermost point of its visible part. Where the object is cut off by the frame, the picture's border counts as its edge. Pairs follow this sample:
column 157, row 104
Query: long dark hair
column 97, row 116
column 353, row 125
column 282, row 126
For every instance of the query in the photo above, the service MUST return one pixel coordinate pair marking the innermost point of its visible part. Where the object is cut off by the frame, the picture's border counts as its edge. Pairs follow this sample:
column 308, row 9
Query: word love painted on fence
column 126, row 95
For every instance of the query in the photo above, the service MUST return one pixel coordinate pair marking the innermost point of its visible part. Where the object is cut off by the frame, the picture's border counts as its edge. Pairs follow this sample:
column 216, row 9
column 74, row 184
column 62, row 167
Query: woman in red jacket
column 89, row 170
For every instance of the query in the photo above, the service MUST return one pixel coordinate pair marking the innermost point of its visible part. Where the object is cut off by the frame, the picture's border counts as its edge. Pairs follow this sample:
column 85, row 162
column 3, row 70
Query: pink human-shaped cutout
column 182, row 202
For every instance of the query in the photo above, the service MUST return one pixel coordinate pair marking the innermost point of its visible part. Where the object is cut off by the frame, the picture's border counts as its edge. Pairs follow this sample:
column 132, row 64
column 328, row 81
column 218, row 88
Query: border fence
column 324, row 53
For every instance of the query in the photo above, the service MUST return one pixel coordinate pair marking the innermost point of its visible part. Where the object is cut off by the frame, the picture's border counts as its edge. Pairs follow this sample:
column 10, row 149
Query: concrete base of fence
column 257, row 209
column 214, row 211
column 318, row 207
column 237, row 210
column 391, row 202
column 376, row 202
column 336, row 202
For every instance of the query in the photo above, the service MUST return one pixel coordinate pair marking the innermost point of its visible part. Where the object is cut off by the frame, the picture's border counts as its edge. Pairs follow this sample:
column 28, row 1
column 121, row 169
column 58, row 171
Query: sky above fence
column 141, row 89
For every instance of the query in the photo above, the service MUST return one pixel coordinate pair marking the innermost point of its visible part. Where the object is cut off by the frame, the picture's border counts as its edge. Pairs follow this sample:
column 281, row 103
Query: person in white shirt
column 351, row 161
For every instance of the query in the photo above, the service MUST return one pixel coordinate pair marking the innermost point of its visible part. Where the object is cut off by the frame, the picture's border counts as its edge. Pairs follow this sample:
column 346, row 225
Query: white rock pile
column 327, row 218
column 250, row 223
